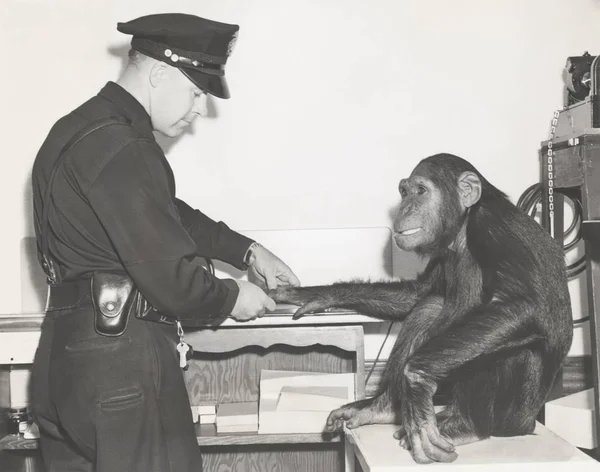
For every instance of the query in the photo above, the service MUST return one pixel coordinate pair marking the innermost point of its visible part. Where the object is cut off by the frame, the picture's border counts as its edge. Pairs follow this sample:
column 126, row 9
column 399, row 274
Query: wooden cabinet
column 226, row 367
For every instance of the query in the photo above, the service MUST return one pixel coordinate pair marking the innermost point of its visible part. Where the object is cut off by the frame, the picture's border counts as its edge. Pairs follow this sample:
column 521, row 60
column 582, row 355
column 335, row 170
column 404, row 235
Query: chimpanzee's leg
column 490, row 334
column 380, row 409
column 524, row 381
column 501, row 399
column 376, row 410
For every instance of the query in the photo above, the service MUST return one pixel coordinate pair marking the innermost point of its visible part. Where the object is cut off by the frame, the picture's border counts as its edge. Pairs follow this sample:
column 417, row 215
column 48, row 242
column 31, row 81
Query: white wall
column 332, row 101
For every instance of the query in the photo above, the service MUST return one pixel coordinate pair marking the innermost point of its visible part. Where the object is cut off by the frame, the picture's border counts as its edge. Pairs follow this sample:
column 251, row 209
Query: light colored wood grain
column 17, row 442
column 217, row 340
column 276, row 458
column 207, row 436
column 234, row 377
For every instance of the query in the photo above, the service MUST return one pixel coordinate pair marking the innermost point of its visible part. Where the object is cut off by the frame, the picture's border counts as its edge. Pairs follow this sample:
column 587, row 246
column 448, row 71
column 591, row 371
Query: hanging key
column 182, row 349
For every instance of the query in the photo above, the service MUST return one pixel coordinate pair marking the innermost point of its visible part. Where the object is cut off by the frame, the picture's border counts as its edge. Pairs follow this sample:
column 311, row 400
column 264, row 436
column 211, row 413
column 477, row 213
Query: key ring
column 179, row 330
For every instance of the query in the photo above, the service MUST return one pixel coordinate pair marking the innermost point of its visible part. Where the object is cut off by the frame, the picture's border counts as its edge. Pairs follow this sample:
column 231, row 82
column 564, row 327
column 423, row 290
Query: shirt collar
column 129, row 106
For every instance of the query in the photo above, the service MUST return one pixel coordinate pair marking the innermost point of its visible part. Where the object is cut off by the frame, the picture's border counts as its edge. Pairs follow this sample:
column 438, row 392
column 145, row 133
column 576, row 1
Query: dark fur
column 490, row 317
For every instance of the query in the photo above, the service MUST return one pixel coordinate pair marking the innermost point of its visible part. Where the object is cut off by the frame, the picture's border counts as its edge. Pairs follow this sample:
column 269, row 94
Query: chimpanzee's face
column 427, row 216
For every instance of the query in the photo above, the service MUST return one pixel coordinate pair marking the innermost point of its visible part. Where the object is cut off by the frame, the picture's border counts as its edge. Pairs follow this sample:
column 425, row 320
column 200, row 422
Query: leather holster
column 114, row 298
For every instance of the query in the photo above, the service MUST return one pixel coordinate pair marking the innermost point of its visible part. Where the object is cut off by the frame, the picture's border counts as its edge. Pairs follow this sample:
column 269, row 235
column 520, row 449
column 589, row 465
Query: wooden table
column 377, row 451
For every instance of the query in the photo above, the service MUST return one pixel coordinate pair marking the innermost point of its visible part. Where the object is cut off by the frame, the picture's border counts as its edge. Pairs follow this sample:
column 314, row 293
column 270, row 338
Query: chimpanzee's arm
column 491, row 329
column 386, row 300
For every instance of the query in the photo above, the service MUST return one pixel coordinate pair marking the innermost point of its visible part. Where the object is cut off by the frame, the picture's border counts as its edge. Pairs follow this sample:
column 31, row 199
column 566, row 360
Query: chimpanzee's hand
column 421, row 436
column 427, row 445
column 304, row 297
column 288, row 294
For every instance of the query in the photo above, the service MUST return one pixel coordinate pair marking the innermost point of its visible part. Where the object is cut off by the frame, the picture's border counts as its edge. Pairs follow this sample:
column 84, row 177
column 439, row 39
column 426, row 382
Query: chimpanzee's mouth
column 408, row 232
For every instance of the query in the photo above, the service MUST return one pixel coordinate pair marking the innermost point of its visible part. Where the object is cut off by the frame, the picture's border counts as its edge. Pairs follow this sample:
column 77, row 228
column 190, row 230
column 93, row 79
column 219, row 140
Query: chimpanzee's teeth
column 408, row 232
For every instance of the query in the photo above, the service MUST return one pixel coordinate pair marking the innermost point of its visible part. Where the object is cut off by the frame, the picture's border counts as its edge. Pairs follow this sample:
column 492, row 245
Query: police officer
column 104, row 202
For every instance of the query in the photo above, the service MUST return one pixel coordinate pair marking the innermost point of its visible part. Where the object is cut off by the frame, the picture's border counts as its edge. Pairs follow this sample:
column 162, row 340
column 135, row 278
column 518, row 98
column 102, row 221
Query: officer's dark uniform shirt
column 114, row 207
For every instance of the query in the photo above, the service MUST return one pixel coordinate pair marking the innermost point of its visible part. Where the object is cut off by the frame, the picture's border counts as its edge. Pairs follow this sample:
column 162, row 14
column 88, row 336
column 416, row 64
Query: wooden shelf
column 17, row 442
column 207, row 436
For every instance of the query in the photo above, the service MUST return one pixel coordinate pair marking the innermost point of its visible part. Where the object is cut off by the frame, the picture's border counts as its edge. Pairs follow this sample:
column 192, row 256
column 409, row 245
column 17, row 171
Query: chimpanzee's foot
column 451, row 427
column 359, row 413
column 454, row 428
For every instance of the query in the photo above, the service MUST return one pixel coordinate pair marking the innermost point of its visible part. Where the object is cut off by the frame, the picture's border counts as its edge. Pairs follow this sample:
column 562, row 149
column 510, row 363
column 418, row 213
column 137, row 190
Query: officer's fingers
column 289, row 278
column 270, row 304
column 271, row 280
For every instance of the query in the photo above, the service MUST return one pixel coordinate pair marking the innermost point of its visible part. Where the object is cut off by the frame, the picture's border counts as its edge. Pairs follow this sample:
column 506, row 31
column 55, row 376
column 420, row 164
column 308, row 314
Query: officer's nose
column 201, row 105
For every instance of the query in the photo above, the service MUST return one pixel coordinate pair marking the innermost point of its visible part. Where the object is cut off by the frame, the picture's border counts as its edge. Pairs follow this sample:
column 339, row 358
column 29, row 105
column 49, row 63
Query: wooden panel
column 21, row 461
column 234, row 376
column 577, row 374
column 347, row 338
column 321, row 458
column 590, row 198
column 18, row 442
column 207, row 436
column 567, row 167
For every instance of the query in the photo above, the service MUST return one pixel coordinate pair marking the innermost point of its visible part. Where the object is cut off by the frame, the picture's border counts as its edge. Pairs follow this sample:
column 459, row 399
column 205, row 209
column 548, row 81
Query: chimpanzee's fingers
column 307, row 308
column 405, row 443
column 401, row 433
column 403, row 438
column 439, row 441
column 431, row 450
column 335, row 420
column 417, row 451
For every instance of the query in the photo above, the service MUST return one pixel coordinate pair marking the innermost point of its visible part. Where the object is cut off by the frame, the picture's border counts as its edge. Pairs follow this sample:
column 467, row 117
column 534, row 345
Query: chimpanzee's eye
column 421, row 190
column 403, row 192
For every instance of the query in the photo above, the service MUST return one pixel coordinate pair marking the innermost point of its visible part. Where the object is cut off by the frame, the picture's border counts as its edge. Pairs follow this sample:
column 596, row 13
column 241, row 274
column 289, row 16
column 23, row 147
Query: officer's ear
column 158, row 72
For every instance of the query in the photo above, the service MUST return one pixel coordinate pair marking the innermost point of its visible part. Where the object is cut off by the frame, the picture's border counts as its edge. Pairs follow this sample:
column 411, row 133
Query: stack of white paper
column 300, row 402
column 205, row 412
column 237, row 417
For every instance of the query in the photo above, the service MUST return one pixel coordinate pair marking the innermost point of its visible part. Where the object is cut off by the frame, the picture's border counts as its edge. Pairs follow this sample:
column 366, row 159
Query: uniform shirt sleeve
column 212, row 239
column 132, row 199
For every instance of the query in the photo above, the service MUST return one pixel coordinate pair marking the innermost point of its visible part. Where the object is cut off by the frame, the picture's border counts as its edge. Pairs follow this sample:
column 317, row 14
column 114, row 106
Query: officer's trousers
column 111, row 404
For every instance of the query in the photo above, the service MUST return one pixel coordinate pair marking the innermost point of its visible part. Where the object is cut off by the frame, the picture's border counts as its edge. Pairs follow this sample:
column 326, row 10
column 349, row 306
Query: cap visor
column 213, row 84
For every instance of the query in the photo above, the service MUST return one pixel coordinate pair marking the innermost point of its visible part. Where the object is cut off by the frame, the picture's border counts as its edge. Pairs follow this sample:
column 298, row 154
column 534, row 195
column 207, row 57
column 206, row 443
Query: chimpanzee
column 489, row 316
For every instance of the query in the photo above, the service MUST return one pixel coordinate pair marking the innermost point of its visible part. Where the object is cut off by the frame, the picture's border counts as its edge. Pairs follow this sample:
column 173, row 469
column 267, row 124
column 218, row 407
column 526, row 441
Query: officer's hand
column 270, row 270
column 251, row 302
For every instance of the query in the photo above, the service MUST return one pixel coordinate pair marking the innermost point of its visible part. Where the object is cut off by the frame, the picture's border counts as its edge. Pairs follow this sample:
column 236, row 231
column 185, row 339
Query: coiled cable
column 529, row 201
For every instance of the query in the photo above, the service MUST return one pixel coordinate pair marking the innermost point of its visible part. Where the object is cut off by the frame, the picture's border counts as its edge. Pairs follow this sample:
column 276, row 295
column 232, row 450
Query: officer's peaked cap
column 197, row 46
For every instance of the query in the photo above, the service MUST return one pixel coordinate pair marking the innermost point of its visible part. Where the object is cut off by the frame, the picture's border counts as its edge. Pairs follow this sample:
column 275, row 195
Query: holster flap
column 111, row 293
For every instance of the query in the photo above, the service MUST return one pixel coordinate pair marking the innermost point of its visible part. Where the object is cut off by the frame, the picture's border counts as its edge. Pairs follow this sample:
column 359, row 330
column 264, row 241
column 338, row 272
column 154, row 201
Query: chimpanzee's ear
column 469, row 188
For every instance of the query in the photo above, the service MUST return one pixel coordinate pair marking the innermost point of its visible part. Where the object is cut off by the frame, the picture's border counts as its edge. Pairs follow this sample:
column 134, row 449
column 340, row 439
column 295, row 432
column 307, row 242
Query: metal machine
column 581, row 112
column 570, row 167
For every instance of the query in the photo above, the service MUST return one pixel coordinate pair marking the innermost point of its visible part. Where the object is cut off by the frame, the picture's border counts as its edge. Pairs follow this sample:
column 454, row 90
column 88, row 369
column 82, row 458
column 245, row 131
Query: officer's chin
column 174, row 131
